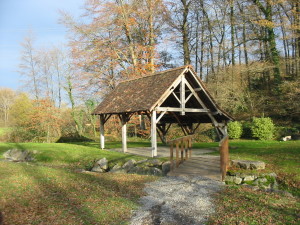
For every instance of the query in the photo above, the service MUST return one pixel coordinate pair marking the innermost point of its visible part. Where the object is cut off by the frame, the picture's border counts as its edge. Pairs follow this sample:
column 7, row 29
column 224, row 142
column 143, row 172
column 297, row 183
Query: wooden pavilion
column 175, row 96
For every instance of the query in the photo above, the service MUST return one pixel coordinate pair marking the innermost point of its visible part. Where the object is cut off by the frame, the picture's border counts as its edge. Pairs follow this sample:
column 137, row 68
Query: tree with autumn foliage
column 120, row 41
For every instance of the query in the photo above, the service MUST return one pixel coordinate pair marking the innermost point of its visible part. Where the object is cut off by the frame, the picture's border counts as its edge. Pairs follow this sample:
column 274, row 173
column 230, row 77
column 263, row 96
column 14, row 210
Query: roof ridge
column 157, row 73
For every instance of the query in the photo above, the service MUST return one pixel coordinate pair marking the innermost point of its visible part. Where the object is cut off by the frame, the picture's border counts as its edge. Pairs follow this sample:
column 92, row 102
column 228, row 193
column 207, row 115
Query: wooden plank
column 153, row 134
column 190, row 147
column 186, row 149
column 173, row 93
column 181, row 150
column 160, row 116
column 177, row 154
column 171, row 157
column 173, row 109
column 188, row 98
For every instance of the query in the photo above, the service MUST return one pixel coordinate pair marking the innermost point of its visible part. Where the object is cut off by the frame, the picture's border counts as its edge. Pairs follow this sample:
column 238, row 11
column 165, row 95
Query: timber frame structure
column 175, row 96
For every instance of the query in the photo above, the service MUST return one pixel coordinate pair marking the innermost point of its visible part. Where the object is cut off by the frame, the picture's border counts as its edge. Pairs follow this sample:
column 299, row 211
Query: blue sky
column 17, row 17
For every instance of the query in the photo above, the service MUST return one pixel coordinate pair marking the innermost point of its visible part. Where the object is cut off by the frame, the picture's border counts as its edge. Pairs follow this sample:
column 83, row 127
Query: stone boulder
column 247, row 164
column 144, row 170
column 17, row 155
column 103, row 163
column 100, row 166
column 117, row 169
column 166, row 167
column 153, row 162
column 129, row 165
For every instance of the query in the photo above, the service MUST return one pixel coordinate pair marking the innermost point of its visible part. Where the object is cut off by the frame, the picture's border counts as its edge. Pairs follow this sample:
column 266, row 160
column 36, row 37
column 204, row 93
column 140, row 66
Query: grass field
column 48, row 191
column 240, row 205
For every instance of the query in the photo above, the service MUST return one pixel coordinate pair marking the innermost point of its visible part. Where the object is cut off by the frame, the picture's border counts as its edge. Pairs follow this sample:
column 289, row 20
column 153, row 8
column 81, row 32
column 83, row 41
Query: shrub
column 235, row 130
column 262, row 128
column 285, row 131
column 247, row 134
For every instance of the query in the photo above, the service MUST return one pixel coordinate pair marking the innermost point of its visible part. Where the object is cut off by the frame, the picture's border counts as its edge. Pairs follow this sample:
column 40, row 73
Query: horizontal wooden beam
column 172, row 109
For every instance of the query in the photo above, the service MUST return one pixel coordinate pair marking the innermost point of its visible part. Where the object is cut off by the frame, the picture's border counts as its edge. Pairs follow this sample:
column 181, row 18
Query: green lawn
column 240, row 205
column 48, row 191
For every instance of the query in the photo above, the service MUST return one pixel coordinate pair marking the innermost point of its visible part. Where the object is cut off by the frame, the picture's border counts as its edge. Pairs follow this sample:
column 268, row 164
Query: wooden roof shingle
column 138, row 94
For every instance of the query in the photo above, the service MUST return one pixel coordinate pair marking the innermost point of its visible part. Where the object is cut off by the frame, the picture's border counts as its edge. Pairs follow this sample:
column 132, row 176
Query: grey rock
column 103, row 163
column 17, row 155
column 129, row 165
column 166, row 167
column 257, row 165
column 249, row 178
column 97, row 169
column 154, row 162
column 237, row 180
column 247, row 164
column 230, row 179
column 146, row 171
column 142, row 161
column 117, row 169
column 260, row 181
column 155, row 171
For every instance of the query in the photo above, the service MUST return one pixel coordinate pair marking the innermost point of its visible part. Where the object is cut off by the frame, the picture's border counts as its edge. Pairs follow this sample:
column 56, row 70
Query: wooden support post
column 171, row 157
column 224, row 158
column 124, row 133
column 186, row 149
column 182, row 95
column 190, row 147
column 181, row 150
column 102, row 121
column 153, row 134
column 177, row 154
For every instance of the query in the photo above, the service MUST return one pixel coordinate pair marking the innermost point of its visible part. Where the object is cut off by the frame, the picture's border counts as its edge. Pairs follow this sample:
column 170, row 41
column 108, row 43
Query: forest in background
column 247, row 52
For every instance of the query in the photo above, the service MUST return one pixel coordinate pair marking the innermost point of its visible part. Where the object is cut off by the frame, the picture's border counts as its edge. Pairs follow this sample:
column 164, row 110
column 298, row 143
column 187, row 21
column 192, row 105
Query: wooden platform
column 205, row 166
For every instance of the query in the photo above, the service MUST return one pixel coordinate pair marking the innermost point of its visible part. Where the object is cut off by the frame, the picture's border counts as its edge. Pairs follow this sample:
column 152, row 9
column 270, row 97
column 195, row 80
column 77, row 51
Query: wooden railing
column 184, row 145
column 224, row 153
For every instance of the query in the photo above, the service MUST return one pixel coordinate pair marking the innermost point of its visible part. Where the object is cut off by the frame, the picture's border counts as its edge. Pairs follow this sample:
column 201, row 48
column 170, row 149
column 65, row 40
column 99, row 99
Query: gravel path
column 176, row 200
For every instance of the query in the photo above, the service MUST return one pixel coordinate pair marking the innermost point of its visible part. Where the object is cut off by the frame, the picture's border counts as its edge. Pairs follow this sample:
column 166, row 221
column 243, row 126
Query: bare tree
column 29, row 64
column 6, row 100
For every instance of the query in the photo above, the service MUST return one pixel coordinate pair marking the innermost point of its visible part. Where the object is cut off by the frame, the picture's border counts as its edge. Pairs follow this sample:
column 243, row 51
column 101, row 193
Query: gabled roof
column 138, row 94
column 147, row 93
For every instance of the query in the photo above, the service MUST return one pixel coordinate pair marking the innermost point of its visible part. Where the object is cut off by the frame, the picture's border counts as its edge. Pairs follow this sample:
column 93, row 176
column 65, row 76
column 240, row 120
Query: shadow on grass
column 58, row 196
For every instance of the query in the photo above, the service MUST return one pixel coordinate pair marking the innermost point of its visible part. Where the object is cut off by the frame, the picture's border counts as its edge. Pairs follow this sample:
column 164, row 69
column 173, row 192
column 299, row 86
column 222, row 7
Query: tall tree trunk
column 270, row 38
column 185, row 32
column 232, row 27
column 151, row 35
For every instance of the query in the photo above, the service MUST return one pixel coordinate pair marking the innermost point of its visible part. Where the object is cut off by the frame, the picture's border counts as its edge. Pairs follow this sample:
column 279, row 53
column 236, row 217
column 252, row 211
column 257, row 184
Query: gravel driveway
column 176, row 200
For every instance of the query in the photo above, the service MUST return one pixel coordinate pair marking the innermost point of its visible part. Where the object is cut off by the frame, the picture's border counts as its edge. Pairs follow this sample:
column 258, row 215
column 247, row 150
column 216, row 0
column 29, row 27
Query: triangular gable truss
column 186, row 93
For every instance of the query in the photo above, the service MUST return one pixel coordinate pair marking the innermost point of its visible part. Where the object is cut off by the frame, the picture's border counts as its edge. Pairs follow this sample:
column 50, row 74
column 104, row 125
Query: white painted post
column 102, row 145
column 124, row 134
column 182, row 95
column 153, row 134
